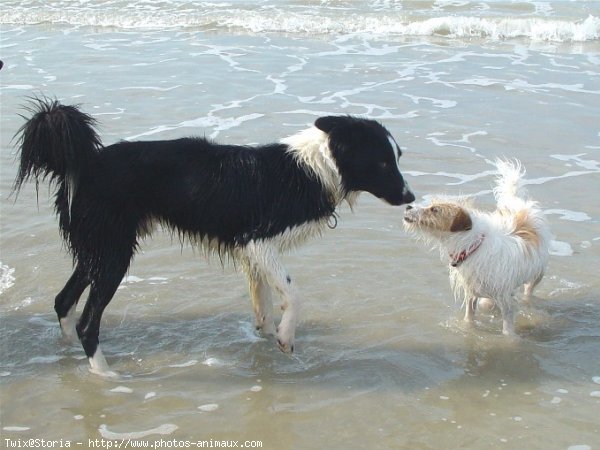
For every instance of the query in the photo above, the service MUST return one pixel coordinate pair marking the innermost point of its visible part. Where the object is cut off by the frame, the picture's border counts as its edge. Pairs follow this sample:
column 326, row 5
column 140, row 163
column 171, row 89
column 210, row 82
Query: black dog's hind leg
column 65, row 303
column 102, row 290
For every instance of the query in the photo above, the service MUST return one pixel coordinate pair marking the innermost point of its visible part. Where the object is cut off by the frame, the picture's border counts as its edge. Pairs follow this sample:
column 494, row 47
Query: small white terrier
column 491, row 255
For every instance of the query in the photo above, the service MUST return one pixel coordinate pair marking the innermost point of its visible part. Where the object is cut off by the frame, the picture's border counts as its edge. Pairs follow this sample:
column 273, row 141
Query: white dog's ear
column 462, row 221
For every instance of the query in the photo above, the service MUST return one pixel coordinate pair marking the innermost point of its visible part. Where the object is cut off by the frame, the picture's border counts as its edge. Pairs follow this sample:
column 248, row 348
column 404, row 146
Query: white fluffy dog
column 490, row 255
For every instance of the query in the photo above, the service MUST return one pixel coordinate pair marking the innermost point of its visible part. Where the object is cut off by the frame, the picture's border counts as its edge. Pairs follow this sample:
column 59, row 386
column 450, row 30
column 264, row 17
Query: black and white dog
column 247, row 203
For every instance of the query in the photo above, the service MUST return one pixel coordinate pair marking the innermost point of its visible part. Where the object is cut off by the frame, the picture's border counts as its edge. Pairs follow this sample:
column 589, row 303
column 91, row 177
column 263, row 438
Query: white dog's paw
column 285, row 338
column 266, row 325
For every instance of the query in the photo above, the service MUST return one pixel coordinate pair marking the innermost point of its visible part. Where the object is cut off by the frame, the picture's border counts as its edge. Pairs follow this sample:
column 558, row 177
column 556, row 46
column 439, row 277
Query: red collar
column 457, row 258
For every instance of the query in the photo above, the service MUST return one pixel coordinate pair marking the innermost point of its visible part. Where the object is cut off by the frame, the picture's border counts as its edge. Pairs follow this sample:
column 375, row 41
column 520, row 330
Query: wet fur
column 243, row 203
column 492, row 254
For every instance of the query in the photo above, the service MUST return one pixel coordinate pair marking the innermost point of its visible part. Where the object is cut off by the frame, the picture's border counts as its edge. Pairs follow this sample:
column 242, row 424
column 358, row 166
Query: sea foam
column 7, row 279
column 307, row 20
column 164, row 429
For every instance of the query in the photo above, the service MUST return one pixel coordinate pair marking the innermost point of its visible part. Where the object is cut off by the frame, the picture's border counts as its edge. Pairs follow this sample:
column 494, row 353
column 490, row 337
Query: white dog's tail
column 509, row 184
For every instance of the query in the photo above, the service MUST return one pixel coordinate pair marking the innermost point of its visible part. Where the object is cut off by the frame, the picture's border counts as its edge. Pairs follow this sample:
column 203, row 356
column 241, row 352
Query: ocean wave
column 7, row 279
column 449, row 26
column 312, row 22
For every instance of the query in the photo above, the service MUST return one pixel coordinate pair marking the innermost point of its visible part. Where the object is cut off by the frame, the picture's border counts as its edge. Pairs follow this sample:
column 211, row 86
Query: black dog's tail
column 56, row 142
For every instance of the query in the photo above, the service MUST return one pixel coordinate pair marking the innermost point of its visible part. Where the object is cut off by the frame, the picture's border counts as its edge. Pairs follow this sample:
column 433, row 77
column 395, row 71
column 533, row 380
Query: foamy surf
column 7, row 278
column 209, row 407
column 122, row 390
column 291, row 19
column 537, row 29
column 164, row 429
column 559, row 248
column 16, row 428
column 189, row 363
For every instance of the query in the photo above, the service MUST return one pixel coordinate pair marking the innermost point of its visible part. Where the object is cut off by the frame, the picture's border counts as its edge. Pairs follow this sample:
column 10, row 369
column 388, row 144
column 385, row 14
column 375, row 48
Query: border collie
column 490, row 255
column 247, row 203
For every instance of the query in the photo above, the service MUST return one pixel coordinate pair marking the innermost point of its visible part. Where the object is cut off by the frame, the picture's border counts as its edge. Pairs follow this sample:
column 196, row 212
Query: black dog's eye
column 383, row 165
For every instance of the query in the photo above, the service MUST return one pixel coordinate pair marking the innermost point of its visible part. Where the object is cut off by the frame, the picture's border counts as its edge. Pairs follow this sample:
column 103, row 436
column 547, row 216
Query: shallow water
column 382, row 359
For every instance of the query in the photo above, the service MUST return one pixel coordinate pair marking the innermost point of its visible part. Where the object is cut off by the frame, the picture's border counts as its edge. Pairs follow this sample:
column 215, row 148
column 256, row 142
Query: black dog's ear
column 328, row 123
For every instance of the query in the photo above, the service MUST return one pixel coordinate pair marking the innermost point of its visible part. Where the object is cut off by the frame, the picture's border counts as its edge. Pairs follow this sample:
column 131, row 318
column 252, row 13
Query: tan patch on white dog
column 525, row 229
column 444, row 216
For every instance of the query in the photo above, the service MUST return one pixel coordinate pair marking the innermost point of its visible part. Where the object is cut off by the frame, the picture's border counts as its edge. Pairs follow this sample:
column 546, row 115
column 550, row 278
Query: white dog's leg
column 264, row 257
column 529, row 287
column 262, row 303
column 470, row 309
column 508, row 325
column 507, row 308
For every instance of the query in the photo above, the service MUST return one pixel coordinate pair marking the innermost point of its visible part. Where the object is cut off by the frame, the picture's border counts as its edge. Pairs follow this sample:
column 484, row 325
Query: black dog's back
column 231, row 194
